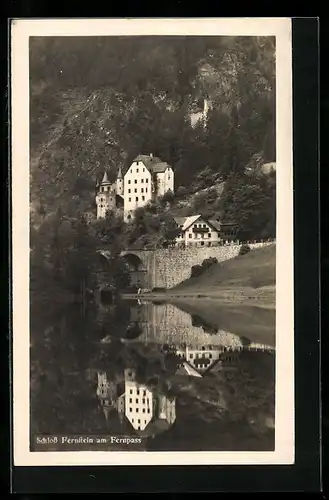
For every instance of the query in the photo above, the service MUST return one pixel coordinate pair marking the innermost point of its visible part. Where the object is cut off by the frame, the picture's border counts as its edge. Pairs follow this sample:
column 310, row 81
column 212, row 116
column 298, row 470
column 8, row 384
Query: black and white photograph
column 153, row 262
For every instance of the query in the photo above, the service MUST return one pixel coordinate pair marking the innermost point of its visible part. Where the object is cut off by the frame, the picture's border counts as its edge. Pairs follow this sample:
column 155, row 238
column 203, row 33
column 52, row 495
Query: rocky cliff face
column 97, row 103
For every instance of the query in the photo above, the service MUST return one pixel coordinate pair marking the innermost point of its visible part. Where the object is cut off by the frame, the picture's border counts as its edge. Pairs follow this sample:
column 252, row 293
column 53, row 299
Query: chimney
column 151, row 155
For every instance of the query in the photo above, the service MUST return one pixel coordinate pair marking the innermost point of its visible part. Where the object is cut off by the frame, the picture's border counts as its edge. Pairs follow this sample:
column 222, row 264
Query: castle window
column 130, row 400
column 135, row 181
column 142, row 190
column 143, row 198
column 129, row 199
column 136, row 198
column 202, row 243
column 145, row 190
column 129, row 190
column 204, row 225
column 144, row 392
column 137, row 391
column 143, row 410
column 129, row 181
column 210, row 355
column 136, row 410
column 190, row 236
column 143, row 169
column 209, row 235
column 135, row 190
column 148, row 410
column 136, row 170
column 130, row 409
column 139, row 420
column 137, row 162
column 131, row 391
column 142, row 180
column 146, row 180
column 136, row 400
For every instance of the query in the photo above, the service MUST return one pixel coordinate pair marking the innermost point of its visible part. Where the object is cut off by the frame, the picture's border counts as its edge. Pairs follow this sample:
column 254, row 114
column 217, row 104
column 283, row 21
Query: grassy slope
column 254, row 270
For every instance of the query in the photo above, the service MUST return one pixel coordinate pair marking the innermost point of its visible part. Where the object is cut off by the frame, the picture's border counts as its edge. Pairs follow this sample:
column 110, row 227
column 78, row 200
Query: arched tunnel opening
column 107, row 296
column 137, row 271
column 135, row 268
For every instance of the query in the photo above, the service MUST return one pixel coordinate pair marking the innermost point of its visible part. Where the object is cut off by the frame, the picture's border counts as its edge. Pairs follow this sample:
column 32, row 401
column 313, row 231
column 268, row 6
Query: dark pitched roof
column 160, row 167
column 105, row 179
column 215, row 224
column 119, row 176
column 180, row 220
column 152, row 163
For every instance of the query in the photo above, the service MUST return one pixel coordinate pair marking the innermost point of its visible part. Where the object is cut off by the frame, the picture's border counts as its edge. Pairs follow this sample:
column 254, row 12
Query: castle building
column 109, row 195
column 145, row 411
column 147, row 178
column 200, row 116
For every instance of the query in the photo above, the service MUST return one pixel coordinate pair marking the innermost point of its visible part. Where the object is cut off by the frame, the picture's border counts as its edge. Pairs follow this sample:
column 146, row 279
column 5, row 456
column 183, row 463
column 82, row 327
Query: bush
column 181, row 192
column 244, row 249
column 209, row 262
column 196, row 271
column 158, row 289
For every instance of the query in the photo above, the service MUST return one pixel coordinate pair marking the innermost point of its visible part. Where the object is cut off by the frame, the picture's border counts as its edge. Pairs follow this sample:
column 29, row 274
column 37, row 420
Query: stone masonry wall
column 168, row 267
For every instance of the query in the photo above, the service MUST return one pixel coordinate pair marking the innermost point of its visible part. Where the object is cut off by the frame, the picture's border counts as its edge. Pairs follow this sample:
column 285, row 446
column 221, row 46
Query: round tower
column 105, row 198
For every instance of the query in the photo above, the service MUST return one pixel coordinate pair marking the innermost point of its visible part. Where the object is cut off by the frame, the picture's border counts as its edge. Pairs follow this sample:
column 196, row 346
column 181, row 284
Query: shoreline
column 260, row 298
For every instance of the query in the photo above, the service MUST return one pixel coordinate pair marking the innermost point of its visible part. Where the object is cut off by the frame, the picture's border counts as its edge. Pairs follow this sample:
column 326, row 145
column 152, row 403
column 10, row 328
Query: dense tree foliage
column 152, row 227
column 250, row 202
column 98, row 102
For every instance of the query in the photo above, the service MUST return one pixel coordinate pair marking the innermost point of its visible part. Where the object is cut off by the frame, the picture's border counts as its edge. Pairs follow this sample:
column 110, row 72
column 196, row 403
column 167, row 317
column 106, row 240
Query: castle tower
column 105, row 197
column 205, row 111
column 119, row 183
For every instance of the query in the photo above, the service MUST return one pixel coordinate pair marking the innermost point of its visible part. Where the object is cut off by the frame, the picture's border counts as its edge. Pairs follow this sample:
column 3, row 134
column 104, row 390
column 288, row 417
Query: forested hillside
column 98, row 102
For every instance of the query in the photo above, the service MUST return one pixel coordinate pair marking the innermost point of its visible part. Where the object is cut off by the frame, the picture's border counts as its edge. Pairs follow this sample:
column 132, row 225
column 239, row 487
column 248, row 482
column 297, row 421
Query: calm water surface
column 182, row 376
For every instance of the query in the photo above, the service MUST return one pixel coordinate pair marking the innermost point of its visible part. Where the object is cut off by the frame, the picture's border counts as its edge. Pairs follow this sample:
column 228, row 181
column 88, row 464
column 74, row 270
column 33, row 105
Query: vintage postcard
column 152, row 218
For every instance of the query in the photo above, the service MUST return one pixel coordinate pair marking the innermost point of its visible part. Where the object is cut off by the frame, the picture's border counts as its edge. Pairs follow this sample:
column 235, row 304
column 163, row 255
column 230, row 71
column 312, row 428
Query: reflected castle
column 147, row 411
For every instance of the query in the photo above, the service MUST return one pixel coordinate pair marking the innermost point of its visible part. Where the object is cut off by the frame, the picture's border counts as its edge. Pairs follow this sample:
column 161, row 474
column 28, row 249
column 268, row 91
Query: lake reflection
column 179, row 376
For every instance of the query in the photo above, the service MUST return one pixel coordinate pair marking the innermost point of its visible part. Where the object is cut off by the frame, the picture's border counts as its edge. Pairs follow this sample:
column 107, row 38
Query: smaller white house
column 199, row 231
column 200, row 359
column 196, row 361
